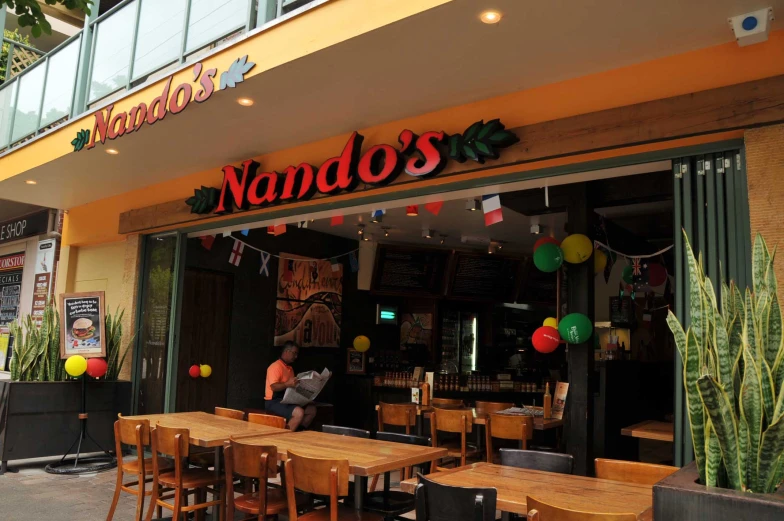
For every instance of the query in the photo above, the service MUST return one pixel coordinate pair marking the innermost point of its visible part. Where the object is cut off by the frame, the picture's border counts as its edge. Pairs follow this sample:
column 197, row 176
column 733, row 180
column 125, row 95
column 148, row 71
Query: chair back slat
column 437, row 502
column 509, row 427
column 539, row 511
column 493, row 406
column 398, row 414
column 537, row 460
column 454, row 420
column 632, row 471
column 166, row 440
column 127, row 430
column 269, row 420
column 234, row 414
column 245, row 459
column 456, row 402
column 345, row 431
column 313, row 475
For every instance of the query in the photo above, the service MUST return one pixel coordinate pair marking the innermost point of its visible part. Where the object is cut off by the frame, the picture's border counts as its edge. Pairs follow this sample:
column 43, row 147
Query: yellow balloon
column 362, row 343
column 599, row 261
column 576, row 248
column 551, row 322
column 205, row 370
column 76, row 365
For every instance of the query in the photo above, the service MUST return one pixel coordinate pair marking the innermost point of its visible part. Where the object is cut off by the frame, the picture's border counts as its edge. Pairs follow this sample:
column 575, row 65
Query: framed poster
column 82, row 316
column 309, row 304
column 355, row 363
column 559, row 400
column 416, row 329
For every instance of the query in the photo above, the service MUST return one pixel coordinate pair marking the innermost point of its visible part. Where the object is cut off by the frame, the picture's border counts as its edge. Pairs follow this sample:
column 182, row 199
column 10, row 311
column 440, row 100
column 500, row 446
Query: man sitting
column 280, row 376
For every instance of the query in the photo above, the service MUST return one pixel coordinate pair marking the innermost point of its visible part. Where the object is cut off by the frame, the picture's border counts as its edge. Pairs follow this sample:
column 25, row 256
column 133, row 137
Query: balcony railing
column 120, row 50
column 18, row 57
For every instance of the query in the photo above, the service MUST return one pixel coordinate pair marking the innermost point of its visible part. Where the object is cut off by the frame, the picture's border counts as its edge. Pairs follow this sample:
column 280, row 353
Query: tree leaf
column 470, row 153
column 694, row 405
column 503, row 138
column 490, row 128
column 771, row 448
column 472, row 131
column 484, row 149
column 712, row 456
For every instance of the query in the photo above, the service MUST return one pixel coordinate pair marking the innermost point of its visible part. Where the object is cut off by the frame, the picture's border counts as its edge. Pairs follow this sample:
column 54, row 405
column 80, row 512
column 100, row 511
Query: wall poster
column 416, row 329
column 44, row 266
column 309, row 305
column 82, row 316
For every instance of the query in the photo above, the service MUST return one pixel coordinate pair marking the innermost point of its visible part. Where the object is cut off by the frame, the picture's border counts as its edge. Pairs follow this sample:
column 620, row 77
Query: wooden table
column 650, row 430
column 564, row 490
column 365, row 457
column 480, row 417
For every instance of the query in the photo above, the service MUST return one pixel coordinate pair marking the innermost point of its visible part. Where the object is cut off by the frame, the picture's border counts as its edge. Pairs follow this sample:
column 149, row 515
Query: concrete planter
column 680, row 497
column 39, row 419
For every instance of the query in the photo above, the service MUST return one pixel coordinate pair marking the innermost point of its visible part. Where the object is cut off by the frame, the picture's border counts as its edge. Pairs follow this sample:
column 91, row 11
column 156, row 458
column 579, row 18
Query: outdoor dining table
column 366, row 457
column 564, row 490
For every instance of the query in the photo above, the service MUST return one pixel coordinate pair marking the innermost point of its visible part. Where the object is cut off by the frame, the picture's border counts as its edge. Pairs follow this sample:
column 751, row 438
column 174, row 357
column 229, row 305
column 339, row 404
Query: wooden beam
column 745, row 105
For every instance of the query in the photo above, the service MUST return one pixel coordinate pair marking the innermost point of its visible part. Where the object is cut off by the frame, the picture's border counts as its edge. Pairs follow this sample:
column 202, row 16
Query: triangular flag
column 434, row 208
column 236, row 252
column 377, row 213
column 207, row 241
column 335, row 263
column 227, row 233
column 491, row 206
column 245, row 232
column 302, row 224
column 265, row 257
column 336, row 220
column 280, row 229
column 271, row 229
column 352, row 258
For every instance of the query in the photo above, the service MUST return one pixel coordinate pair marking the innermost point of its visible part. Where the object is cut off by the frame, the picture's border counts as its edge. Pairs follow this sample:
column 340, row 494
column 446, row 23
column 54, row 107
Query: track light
column 427, row 233
column 473, row 205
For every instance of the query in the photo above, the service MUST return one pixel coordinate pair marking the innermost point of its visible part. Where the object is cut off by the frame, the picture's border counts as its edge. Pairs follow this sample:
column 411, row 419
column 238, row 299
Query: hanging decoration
column 276, row 229
column 434, row 208
column 657, row 274
column 546, row 339
column 575, row 328
column 245, row 232
column 361, row 343
column 647, row 256
column 205, row 371
column 548, row 258
column 376, row 216
column 576, row 248
column 334, row 264
column 236, row 252
column 599, row 261
column 96, row 367
column 75, row 365
column 628, row 274
column 551, row 322
column 491, row 206
column 194, row 371
column 265, row 257
column 412, row 210
column 546, row 240
column 336, row 220
column 636, row 267
column 207, row 241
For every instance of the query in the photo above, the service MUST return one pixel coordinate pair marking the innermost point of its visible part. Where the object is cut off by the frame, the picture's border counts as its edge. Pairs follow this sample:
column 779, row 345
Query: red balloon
column 545, row 240
column 194, row 371
column 657, row 274
column 546, row 339
column 96, row 367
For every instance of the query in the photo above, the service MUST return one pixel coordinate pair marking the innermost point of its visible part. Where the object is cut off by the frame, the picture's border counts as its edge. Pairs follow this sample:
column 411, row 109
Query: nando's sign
column 417, row 155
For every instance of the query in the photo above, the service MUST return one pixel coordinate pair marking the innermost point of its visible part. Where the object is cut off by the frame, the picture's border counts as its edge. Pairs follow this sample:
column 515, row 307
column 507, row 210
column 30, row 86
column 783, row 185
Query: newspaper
column 309, row 385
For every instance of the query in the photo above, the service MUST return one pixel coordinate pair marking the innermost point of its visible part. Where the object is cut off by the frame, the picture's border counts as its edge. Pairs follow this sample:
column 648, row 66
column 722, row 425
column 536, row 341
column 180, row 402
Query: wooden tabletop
column 480, row 417
column 564, row 490
column 365, row 457
column 651, row 430
column 208, row 430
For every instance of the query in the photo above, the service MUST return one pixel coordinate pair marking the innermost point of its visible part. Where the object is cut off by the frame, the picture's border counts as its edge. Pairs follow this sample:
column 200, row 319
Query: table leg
column 419, row 422
column 360, row 486
column 3, row 467
column 215, row 514
column 505, row 516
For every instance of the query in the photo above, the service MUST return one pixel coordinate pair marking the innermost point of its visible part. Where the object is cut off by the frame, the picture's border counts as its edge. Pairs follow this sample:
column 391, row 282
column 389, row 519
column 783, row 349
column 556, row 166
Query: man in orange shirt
column 280, row 376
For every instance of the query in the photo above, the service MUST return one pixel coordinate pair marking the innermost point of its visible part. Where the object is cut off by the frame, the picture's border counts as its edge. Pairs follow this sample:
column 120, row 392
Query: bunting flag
column 434, row 208
column 276, row 229
column 265, row 257
column 336, row 220
column 352, row 258
column 491, row 206
column 288, row 270
column 207, row 241
column 245, row 232
column 227, row 233
column 377, row 213
column 335, row 263
column 236, row 252
column 636, row 267
column 302, row 224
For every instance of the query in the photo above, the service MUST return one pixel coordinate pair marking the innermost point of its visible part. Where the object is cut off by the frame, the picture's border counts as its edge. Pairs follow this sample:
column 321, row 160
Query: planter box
column 39, row 419
column 680, row 498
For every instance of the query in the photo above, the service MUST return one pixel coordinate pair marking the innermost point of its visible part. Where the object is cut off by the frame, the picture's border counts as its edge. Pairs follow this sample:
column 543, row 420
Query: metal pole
column 133, row 44
column 9, row 60
column 680, row 310
column 13, row 114
column 185, row 25
column 43, row 95
column 84, row 68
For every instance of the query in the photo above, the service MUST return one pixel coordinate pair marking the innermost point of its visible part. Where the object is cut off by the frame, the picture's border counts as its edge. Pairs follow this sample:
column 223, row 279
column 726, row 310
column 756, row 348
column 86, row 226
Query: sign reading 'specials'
column 419, row 156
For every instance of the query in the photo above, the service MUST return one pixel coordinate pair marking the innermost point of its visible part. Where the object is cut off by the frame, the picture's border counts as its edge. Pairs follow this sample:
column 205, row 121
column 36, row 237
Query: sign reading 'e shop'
column 26, row 226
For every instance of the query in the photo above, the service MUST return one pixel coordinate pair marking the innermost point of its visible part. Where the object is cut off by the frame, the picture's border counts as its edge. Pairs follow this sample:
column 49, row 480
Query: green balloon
column 628, row 274
column 575, row 328
column 548, row 257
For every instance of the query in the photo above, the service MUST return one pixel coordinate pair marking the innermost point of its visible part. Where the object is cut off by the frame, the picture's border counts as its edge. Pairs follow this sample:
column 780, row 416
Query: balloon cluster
column 197, row 370
column 77, row 365
column 549, row 254
column 574, row 328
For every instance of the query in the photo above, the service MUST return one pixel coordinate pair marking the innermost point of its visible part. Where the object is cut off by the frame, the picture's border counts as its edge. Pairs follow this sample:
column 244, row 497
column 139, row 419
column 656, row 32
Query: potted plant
column 733, row 376
column 39, row 407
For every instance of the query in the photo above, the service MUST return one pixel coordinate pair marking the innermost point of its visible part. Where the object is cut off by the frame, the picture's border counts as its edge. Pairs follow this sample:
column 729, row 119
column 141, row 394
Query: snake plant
column 733, row 375
column 36, row 354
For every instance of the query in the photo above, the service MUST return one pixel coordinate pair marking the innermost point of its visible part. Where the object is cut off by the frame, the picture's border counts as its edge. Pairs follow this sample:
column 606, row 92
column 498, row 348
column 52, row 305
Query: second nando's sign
column 419, row 156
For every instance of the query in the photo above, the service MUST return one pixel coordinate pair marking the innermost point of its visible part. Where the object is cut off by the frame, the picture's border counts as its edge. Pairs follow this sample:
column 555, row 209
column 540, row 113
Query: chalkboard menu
column 404, row 270
column 621, row 311
column 10, row 290
column 539, row 287
column 82, row 317
column 484, row 277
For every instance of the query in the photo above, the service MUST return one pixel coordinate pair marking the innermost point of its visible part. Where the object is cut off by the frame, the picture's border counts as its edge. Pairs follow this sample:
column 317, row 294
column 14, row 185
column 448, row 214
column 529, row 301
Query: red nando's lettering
column 418, row 156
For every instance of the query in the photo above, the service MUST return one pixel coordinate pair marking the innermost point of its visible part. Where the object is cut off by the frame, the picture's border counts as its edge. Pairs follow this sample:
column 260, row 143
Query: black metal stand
column 89, row 464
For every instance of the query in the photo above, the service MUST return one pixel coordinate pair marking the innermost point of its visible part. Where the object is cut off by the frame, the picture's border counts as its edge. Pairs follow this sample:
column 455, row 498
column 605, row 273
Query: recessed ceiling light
column 31, row 182
column 112, row 151
column 245, row 102
column 490, row 17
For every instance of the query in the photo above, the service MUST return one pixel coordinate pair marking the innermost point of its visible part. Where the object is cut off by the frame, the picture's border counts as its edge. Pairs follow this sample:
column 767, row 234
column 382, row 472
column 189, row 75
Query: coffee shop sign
column 419, row 156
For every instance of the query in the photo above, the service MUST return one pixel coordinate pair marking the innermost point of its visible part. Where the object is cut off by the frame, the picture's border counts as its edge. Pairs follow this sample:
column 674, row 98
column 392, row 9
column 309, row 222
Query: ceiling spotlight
column 490, row 249
column 386, row 231
column 245, row 102
column 360, row 229
column 536, row 229
column 412, row 210
column 367, row 237
column 112, row 151
column 427, row 233
column 443, row 239
column 490, row 17
column 31, row 182
column 473, row 205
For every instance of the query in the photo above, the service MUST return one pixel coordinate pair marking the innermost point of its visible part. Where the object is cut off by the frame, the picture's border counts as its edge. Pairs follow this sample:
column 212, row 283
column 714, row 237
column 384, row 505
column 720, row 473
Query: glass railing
column 125, row 46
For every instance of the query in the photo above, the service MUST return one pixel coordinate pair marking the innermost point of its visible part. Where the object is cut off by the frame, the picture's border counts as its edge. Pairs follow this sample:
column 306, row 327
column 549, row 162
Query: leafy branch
column 480, row 141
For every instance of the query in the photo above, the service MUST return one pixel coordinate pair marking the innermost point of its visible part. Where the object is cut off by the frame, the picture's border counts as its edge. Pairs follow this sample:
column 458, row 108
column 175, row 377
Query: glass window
column 31, row 88
column 210, row 20
column 112, row 41
column 58, row 93
column 160, row 35
column 153, row 346
column 7, row 94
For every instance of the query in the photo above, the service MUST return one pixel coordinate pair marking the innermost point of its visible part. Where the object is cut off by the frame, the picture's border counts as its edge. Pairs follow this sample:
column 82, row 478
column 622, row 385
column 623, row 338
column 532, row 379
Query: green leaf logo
column 480, row 141
column 236, row 73
column 204, row 200
column 81, row 139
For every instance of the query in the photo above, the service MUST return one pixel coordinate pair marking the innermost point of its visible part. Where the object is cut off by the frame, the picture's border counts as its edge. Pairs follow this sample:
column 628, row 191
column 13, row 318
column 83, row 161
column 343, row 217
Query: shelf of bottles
column 457, row 383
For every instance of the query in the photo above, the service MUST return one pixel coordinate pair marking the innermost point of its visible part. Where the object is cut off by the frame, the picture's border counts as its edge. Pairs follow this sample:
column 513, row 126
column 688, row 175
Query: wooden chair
column 324, row 477
column 269, row 420
column 345, row 431
column 535, row 460
column 135, row 433
column 632, row 471
column 183, row 481
column 508, row 427
column 456, row 402
column 234, row 414
column 253, row 462
column 459, row 421
column 437, row 502
column 397, row 414
column 538, row 511
column 491, row 407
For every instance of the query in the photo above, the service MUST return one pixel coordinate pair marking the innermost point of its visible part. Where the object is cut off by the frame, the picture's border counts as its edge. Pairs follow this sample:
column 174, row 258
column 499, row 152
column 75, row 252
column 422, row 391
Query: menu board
column 10, row 291
column 44, row 265
column 620, row 311
column 82, row 319
column 410, row 270
column 485, row 277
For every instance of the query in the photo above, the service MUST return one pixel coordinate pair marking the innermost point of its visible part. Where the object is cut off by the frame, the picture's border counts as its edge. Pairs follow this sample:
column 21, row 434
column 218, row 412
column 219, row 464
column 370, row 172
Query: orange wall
column 98, row 221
